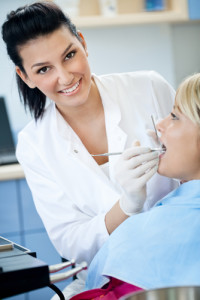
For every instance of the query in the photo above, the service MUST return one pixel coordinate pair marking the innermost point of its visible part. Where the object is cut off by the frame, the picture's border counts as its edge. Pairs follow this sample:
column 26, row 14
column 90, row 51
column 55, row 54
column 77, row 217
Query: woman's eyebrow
column 67, row 49
column 46, row 62
column 175, row 107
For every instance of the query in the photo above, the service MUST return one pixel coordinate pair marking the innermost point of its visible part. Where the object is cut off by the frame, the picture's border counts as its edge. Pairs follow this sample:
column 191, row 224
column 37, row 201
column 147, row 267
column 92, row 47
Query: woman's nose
column 163, row 124
column 64, row 77
column 160, row 126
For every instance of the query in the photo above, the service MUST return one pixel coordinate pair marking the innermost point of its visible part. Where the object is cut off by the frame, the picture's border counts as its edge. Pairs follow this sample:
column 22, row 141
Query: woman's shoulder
column 35, row 129
column 32, row 137
column 135, row 82
column 139, row 80
column 131, row 76
column 35, row 126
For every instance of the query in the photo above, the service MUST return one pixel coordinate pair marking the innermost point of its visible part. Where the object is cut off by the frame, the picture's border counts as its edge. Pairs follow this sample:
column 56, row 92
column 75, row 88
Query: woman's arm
column 133, row 169
column 114, row 218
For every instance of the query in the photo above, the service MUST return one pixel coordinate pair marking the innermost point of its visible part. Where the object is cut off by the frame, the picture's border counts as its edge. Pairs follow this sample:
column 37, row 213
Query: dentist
column 76, row 195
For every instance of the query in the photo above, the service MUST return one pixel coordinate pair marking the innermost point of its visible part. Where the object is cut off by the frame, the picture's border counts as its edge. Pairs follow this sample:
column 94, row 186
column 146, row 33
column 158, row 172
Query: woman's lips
column 72, row 89
column 164, row 149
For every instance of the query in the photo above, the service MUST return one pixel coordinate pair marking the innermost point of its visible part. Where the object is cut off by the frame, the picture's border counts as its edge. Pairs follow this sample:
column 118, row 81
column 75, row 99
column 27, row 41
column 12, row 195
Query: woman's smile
column 73, row 89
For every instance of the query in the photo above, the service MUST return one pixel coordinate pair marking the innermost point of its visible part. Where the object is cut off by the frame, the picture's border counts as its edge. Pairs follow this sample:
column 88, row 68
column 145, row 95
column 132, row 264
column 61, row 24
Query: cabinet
column 129, row 12
column 20, row 223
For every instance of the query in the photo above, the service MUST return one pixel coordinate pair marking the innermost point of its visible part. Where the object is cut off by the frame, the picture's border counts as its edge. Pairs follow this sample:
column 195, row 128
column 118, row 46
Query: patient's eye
column 174, row 117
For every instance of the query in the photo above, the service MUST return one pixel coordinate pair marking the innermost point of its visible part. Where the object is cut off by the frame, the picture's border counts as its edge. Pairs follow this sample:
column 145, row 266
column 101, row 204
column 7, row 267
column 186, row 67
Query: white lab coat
column 71, row 192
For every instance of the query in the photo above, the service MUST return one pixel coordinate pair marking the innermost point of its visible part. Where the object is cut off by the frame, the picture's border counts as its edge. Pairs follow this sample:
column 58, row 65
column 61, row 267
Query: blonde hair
column 188, row 98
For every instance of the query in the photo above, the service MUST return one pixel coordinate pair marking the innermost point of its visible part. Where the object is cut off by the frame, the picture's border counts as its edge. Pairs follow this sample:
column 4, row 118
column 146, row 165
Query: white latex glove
column 134, row 168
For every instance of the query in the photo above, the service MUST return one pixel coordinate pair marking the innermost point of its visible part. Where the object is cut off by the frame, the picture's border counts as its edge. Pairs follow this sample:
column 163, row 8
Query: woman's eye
column 174, row 117
column 43, row 70
column 70, row 55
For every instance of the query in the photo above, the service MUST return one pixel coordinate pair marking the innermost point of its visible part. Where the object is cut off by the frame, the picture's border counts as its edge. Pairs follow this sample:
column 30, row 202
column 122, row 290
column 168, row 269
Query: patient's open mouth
column 164, row 149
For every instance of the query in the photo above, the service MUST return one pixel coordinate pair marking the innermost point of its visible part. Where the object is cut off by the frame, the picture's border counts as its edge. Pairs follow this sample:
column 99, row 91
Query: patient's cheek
column 165, row 167
column 160, row 169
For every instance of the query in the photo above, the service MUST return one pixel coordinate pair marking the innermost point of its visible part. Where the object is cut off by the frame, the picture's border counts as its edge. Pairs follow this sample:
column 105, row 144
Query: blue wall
column 20, row 223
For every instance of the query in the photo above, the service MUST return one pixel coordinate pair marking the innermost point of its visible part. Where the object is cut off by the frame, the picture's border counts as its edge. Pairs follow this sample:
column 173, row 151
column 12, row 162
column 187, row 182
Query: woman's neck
column 88, row 122
column 86, row 113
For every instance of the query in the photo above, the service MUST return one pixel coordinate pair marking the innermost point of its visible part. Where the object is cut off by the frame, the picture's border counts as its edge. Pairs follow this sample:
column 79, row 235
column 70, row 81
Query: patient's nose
column 161, row 125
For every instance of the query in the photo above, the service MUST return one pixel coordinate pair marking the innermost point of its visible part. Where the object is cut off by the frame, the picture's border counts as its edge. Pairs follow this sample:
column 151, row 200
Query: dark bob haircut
column 27, row 23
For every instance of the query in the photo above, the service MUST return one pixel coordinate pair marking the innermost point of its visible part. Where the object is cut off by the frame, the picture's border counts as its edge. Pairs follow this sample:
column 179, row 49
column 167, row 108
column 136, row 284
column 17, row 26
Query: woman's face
column 181, row 137
column 57, row 65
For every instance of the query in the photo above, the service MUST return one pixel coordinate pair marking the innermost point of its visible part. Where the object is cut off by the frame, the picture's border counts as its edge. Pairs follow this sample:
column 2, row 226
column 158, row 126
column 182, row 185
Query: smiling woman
column 77, row 194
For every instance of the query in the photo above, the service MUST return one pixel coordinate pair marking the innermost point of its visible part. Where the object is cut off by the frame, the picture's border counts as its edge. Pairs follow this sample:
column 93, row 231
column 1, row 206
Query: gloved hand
column 134, row 168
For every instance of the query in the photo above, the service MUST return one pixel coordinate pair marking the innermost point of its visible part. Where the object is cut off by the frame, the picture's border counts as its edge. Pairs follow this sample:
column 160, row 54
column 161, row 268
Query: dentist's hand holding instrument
column 135, row 167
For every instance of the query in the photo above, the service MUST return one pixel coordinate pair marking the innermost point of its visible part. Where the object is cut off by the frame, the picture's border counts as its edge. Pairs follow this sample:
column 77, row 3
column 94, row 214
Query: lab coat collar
column 116, row 136
column 62, row 126
column 111, row 110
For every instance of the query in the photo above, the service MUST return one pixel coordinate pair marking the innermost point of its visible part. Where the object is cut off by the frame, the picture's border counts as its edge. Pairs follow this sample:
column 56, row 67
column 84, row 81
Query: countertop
column 11, row 172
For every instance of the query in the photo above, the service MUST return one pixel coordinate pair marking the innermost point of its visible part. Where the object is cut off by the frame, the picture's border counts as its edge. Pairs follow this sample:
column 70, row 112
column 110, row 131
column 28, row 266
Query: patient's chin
column 167, row 173
column 163, row 171
column 160, row 172
column 164, row 167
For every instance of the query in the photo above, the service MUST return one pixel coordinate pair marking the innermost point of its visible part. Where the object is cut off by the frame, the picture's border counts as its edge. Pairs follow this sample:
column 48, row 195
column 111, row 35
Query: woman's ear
column 24, row 77
column 83, row 42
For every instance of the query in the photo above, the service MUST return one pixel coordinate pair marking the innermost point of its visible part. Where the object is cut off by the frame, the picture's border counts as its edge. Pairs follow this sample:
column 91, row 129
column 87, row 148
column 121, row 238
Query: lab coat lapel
column 115, row 135
column 76, row 148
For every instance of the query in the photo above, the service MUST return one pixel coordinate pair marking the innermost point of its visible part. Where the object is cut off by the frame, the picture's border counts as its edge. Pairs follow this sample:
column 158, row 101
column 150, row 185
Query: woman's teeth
column 71, row 89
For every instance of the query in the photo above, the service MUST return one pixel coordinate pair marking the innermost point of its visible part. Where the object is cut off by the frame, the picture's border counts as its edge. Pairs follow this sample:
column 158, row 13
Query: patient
column 161, row 247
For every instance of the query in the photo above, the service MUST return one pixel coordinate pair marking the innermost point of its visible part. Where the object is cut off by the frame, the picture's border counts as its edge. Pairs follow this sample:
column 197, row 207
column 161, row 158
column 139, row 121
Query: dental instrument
column 156, row 132
column 65, row 275
column 152, row 149
column 61, row 266
column 118, row 153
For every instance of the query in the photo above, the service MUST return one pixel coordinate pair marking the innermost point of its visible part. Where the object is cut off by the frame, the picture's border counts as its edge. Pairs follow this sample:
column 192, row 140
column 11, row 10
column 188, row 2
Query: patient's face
column 182, row 140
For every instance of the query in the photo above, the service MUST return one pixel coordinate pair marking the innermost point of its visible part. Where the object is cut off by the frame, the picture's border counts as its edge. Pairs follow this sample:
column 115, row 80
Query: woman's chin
column 160, row 172
column 166, row 172
column 163, row 171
